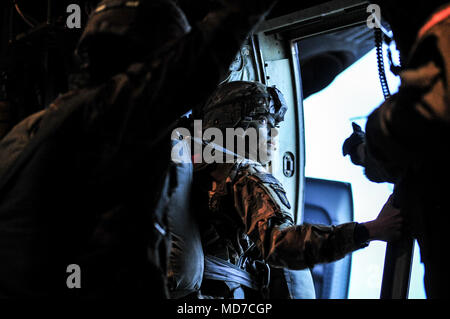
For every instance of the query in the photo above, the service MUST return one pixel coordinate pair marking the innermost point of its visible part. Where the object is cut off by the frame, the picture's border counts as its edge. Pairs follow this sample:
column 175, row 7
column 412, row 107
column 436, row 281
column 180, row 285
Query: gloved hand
column 354, row 145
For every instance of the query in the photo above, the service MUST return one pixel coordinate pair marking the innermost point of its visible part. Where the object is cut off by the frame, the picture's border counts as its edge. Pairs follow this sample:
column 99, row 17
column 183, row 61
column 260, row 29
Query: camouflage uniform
column 84, row 182
column 245, row 215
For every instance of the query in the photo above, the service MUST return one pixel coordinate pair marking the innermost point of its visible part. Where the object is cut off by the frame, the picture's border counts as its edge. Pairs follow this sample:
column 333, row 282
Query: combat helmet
column 238, row 103
column 119, row 32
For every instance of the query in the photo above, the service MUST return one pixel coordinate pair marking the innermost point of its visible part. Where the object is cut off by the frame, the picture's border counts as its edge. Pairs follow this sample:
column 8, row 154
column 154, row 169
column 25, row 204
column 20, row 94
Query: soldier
column 86, row 181
column 407, row 136
column 244, row 214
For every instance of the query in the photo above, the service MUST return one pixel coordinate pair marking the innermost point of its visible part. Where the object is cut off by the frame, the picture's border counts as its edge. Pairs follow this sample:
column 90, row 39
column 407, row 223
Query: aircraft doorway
column 328, row 115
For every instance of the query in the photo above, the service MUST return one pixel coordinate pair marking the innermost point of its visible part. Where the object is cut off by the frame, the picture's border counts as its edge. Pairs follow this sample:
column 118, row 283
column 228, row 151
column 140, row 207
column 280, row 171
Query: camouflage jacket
column 248, row 207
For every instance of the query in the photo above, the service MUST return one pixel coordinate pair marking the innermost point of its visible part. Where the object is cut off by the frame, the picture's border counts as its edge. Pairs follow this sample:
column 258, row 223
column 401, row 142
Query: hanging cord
column 395, row 69
column 380, row 62
column 24, row 17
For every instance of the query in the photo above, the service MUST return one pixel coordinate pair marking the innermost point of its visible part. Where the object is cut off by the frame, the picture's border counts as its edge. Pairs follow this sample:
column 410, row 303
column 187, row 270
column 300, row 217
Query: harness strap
column 219, row 269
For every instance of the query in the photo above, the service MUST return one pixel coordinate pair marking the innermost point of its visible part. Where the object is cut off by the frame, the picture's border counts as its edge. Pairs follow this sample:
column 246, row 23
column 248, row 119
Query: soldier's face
column 267, row 140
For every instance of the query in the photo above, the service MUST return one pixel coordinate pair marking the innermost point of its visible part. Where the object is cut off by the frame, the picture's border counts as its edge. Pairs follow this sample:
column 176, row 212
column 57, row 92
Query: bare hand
column 388, row 225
